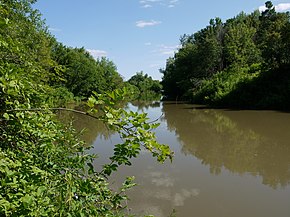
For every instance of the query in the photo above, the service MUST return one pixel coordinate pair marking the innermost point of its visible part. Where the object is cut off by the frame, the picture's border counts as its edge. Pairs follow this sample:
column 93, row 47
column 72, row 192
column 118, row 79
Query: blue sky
column 137, row 35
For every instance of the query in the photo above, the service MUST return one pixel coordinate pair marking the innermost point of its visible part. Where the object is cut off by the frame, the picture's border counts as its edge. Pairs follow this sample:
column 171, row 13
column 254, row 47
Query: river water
column 227, row 162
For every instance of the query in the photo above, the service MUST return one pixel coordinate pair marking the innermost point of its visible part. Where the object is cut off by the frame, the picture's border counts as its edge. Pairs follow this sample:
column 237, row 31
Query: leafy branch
column 134, row 129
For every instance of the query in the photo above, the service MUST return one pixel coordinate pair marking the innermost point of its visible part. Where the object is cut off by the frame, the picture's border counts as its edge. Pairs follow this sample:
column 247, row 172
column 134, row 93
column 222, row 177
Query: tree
column 170, row 79
column 270, row 9
column 25, row 38
column 270, row 39
column 147, row 87
column 209, row 47
column 200, row 56
column 239, row 45
column 108, row 69
column 82, row 74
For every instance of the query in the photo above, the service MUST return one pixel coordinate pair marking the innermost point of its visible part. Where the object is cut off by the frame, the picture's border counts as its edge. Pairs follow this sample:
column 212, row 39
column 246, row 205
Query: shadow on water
column 243, row 142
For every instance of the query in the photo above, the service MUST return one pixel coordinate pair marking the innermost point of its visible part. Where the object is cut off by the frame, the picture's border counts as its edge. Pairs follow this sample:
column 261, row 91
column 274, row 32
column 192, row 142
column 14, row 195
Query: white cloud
column 147, row 6
column 180, row 197
column 172, row 3
column 148, row 3
column 164, row 189
column 282, row 7
column 97, row 53
column 161, row 179
column 142, row 23
column 155, row 65
column 54, row 29
column 262, row 8
column 167, row 50
column 151, row 3
column 279, row 7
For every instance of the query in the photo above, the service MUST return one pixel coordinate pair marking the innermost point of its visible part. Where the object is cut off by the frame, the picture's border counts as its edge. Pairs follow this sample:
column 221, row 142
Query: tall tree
column 239, row 45
column 270, row 37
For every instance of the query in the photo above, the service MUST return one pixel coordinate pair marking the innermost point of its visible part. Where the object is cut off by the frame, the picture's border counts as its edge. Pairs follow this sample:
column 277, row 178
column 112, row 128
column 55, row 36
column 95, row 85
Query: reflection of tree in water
column 221, row 142
column 89, row 128
column 145, row 105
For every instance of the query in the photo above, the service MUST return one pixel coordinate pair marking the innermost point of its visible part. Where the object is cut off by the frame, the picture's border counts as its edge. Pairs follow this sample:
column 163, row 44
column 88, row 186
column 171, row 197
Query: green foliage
column 45, row 169
column 24, row 38
column 43, row 172
column 239, row 47
column 60, row 96
column 81, row 73
column 200, row 56
column 134, row 128
column 217, row 62
column 246, row 88
column 271, row 37
column 213, row 91
column 270, row 90
column 144, row 87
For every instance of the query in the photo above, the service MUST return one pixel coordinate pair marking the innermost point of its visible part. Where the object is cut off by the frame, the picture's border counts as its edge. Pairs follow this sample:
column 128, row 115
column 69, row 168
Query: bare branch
column 54, row 109
column 151, row 122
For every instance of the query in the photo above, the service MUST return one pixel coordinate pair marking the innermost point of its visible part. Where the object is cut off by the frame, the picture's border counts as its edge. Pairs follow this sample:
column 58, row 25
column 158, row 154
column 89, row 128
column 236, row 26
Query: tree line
column 73, row 71
column 242, row 62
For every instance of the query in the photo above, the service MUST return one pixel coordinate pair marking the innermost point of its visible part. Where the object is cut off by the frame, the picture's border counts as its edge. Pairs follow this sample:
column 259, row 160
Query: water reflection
column 88, row 127
column 255, row 142
column 145, row 105
column 165, row 182
column 224, row 164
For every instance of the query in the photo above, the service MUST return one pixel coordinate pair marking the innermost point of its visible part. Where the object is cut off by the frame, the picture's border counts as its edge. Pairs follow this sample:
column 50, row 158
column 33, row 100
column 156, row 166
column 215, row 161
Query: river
column 227, row 162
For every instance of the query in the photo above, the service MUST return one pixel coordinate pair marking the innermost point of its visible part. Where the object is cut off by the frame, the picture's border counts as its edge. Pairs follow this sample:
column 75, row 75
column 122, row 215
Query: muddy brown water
column 227, row 162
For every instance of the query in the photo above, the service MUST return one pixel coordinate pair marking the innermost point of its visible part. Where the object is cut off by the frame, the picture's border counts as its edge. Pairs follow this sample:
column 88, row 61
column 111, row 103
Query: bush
column 213, row 91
